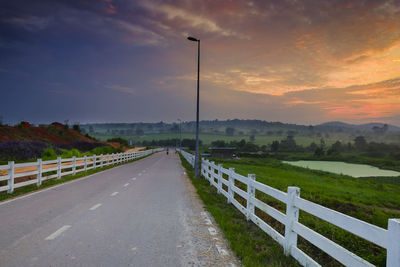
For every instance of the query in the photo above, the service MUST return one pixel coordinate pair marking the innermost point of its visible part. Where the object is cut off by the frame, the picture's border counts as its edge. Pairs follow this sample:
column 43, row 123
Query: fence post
column 39, row 174
column 209, row 173
column 393, row 249
column 251, row 193
column 112, row 159
column 292, row 216
column 58, row 167
column 231, row 184
column 11, row 172
column 85, row 163
column 94, row 161
column 73, row 165
column 219, row 175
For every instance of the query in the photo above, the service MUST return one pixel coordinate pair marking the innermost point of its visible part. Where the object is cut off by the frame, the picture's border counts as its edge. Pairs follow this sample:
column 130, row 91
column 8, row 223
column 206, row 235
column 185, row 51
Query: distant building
column 222, row 152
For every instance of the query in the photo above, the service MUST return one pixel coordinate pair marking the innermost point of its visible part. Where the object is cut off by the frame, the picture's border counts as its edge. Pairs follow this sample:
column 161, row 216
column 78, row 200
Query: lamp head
column 190, row 38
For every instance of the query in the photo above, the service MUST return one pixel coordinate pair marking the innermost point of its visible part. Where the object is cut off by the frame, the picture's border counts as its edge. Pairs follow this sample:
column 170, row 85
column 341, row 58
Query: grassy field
column 366, row 200
column 207, row 138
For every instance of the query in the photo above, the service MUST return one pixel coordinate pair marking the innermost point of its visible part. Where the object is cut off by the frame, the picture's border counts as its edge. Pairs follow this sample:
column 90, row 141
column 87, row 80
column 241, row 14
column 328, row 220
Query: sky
column 303, row 62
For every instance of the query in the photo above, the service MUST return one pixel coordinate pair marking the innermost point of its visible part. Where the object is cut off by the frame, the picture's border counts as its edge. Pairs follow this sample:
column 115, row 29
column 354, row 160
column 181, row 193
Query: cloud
column 122, row 89
column 278, row 60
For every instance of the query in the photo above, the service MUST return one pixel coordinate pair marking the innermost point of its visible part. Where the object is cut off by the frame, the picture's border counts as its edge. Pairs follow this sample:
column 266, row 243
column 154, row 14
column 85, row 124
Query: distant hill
column 55, row 133
column 373, row 126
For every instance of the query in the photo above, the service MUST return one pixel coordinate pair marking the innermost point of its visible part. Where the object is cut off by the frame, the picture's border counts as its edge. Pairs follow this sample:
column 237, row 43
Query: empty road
column 145, row 213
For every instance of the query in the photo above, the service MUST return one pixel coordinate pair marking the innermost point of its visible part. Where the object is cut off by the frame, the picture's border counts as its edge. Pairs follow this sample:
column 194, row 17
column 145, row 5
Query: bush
column 80, row 145
column 21, row 150
column 71, row 153
column 105, row 150
column 49, row 154
column 120, row 140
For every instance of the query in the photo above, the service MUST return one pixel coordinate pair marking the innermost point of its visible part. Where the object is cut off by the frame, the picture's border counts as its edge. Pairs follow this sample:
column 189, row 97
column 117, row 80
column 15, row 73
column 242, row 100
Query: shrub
column 80, row 145
column 49, row 154
column 120, row 140
column 21, row 150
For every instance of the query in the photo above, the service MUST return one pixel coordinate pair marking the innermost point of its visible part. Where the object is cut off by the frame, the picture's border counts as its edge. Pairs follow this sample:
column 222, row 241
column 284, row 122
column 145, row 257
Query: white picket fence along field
column 61, row 167
column 385, row 238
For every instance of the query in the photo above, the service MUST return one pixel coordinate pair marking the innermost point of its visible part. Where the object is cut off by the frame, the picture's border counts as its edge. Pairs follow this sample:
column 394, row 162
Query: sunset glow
column 303, row 62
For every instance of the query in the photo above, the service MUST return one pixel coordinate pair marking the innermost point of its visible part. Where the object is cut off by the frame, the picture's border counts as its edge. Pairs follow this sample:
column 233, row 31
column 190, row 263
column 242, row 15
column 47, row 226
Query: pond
column 355, row 170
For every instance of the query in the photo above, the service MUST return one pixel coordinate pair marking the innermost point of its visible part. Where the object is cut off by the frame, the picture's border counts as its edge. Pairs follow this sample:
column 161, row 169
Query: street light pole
column 196, row 160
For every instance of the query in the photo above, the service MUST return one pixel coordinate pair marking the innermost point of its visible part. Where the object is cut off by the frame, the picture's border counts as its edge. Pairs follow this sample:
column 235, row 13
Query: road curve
column 145, row 213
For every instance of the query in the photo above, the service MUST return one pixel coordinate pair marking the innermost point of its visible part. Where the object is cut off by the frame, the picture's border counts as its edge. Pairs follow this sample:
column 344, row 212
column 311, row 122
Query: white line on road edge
column 125, row 185
column 208, row 221
column 58, row 185
column 221, row 250
column 58, row 232
column 114, row 194
column 95, row 206
column 212, row 230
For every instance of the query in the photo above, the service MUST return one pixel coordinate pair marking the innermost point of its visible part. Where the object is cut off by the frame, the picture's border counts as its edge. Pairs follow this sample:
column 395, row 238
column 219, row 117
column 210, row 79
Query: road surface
column 145, row 213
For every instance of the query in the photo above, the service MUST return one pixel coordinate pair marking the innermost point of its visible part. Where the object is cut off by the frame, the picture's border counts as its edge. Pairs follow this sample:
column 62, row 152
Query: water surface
column 351, row 169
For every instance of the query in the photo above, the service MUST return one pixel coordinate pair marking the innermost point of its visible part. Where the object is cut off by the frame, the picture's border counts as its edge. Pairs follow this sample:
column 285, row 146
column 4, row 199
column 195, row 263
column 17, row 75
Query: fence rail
column 20, row 174
column 385, row 238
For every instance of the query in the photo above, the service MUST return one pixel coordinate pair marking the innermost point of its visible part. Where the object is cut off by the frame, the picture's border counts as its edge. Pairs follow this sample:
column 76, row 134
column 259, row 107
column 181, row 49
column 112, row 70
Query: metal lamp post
column 196, row 160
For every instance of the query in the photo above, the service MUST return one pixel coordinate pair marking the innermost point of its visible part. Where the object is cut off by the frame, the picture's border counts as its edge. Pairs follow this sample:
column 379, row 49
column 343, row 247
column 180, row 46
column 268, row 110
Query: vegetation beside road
column 363, row 199
column 250, row 244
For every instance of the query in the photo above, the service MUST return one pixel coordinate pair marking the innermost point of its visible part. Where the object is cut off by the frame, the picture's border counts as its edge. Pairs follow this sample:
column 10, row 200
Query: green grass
column 250, row 244
column 30, row 188
column 363, row 199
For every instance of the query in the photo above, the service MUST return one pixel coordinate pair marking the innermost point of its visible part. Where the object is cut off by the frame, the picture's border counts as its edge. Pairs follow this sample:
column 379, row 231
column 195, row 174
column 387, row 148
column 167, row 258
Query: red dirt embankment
column 53, row 133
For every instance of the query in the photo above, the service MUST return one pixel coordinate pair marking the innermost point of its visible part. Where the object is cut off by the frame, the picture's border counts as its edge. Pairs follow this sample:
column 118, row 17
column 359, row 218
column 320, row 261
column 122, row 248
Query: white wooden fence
column 385, row 238
column 61, row 167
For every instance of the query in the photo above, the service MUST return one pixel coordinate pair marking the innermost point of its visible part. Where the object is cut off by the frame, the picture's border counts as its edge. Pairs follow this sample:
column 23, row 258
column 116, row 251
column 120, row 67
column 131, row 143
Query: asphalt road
column 145, row 213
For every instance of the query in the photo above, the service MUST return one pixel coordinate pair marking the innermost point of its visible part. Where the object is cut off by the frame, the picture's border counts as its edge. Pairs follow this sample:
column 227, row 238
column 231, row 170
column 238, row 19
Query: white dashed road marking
column 140, row 174
column 58, row 232
column 114, row 194
column 95, row 206
column 125, row 185
column 134, row 178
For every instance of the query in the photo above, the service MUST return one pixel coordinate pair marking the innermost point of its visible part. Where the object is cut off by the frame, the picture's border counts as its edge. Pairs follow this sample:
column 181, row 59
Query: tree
column 174, row 128
column 312, row 147
column 66, row 124
column 360, row 143
column 76, row 127
column 120, row 140
column 288, row 144
column 252, row 138
column 139, row 132
column 275, row 146
column 91, row 129
column 230, row 131
column 337, row 146
column 335, row 149
column 319, row 152
column 218, row 143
